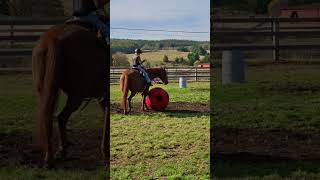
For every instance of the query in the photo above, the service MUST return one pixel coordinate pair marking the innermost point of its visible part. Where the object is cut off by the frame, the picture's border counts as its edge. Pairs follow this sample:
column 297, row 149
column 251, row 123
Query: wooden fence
column 226, row 31
column 23, row 33
column 174, row 73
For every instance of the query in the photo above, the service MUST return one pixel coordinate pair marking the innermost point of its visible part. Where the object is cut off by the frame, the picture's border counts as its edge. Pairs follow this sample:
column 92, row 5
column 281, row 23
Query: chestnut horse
column 71, row 59
column 132, row 80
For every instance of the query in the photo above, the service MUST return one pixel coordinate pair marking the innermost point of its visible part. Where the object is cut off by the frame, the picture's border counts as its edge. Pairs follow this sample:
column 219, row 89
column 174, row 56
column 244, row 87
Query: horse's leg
column 105, row 144
column 48, row 158
column 73, row 103
column 129, row 100
column 143, row 107
column 144, row 95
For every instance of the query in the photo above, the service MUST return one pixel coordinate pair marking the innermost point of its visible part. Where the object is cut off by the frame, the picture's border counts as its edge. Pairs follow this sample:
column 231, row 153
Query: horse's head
column 158, row 73
column 163, row 75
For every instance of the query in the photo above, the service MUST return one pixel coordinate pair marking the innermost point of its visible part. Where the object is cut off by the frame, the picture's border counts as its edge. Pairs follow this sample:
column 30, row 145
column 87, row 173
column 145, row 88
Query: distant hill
column 128, row 46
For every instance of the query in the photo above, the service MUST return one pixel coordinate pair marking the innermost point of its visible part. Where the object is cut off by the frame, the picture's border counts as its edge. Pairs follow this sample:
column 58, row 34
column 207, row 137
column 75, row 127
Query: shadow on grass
column 83, row 154
column 184, row 113
column 174, row 109
column 243, row 165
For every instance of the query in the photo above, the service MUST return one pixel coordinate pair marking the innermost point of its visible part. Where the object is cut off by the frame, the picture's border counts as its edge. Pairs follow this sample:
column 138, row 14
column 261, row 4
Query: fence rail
column 174, row 73
column 275, row 28
column 14, row 30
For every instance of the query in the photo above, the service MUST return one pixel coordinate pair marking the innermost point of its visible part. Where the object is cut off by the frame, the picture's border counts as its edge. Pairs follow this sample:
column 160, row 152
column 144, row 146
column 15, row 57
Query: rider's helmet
column 138, row 51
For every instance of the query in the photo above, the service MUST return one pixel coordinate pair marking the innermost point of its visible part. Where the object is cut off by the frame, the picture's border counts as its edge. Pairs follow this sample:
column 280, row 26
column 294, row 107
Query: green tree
column 177, row 60
column 198, row 50
column 192, row 57
column 165, row 59
column 182, row 61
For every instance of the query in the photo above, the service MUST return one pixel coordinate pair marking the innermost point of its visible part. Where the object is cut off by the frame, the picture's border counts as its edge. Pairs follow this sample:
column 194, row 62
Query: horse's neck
column 153, row 73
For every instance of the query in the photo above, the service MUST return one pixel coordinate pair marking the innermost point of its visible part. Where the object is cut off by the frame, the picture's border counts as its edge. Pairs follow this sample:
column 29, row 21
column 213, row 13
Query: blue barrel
column 182, row 82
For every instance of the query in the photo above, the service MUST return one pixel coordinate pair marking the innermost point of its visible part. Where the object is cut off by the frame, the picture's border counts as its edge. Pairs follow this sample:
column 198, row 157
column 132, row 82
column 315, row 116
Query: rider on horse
column 137, row 64
column 93, row 11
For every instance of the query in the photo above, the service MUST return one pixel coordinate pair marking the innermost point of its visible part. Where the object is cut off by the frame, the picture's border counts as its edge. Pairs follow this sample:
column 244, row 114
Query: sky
column 168, row 15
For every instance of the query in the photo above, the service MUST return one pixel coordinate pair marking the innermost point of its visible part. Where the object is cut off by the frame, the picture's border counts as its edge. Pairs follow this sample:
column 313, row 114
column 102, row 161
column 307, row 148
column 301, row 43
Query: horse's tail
column 124, row 89
column 45, row 74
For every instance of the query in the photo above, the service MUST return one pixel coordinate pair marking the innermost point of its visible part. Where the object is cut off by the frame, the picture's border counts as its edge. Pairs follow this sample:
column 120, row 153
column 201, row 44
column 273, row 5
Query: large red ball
column 158, row 99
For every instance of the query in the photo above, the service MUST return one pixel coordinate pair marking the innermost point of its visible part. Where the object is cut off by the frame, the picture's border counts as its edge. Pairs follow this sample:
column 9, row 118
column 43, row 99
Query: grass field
column 156, row 58
column 275, row 96
column 168, row 145
column 278, row 96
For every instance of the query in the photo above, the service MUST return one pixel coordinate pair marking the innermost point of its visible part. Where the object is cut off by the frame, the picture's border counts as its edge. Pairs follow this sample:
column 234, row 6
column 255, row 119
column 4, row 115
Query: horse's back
column 83, row 60
column 135, row 80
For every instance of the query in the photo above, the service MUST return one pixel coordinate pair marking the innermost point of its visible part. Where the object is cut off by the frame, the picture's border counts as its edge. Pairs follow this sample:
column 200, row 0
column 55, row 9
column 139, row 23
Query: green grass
column 274, row 96
column 168, row 145
column 160, row 146
column 229, row 169
column 156, row 58
column 196, row 92
column 283, row 96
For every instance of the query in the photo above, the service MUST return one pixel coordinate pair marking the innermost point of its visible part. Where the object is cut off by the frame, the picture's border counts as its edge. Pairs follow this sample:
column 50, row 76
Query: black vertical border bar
column 107, row 116
column 211, row 93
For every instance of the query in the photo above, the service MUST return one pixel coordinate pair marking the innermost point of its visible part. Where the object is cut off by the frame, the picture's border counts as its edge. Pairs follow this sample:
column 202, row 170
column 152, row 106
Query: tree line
column 128, row 46
column 197, row 54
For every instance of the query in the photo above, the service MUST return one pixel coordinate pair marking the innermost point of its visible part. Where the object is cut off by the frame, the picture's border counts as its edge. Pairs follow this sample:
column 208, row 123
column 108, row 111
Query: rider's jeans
column 145, row 74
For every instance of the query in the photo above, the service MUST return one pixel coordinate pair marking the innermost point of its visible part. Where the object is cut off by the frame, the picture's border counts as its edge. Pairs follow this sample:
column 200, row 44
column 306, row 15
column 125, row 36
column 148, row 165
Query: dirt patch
column 83, row 153
column 174, row 107
column 270, row 143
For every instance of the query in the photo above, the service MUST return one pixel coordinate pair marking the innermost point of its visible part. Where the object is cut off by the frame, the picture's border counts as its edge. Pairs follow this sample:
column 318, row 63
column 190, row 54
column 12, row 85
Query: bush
column 120, row 59
column 205, row 59
column 182, row 49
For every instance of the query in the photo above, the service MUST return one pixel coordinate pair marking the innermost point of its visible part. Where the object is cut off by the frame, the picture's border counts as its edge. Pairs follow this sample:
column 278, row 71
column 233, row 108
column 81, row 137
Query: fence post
column 11, row 33
column 177, row 71
column 275, row 38
column 196, row 74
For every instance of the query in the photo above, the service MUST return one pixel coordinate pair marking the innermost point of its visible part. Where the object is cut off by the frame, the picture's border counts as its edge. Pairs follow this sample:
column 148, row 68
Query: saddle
column 77, row 20
column 137, row 69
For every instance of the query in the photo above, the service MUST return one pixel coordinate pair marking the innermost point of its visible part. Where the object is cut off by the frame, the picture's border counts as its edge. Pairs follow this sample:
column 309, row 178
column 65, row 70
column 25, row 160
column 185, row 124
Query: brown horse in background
column 132, row 80
column 68, row 58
